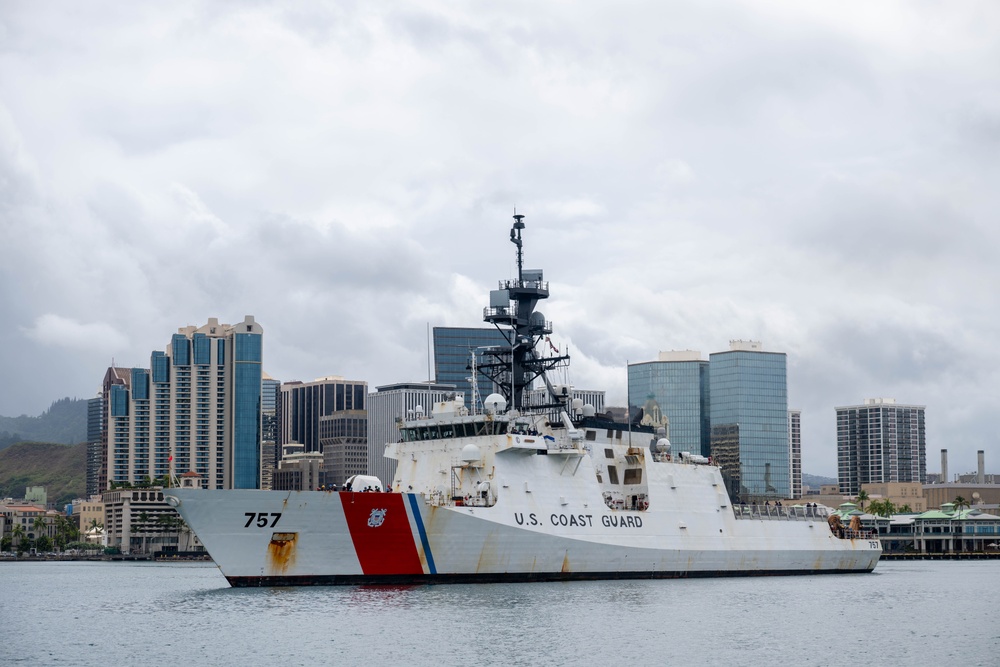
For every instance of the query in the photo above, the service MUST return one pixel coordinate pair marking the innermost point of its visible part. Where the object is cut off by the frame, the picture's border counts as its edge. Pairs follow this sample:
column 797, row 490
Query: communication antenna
column 628, row 403
column 516, row 240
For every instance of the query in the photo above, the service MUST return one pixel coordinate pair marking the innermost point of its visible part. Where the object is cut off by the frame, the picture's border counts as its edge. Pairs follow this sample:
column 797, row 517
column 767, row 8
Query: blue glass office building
column 733, row 407
column 453, row 349
column 674, row 392
column 749, row 417
column 247, row 374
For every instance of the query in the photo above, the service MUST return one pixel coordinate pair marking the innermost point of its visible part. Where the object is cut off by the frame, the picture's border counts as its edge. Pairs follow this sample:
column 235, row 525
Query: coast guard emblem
column 376, row 518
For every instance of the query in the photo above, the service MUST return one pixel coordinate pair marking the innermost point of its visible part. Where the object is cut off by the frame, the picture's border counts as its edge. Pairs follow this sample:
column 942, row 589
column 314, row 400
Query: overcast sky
column 818, row 176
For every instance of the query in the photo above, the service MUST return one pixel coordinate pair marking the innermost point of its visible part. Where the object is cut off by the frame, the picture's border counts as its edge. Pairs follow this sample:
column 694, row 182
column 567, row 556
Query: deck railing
column 780, row 512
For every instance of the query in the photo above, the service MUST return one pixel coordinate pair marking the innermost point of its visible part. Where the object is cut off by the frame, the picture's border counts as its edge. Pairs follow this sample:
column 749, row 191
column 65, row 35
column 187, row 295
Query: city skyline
column 817, row 180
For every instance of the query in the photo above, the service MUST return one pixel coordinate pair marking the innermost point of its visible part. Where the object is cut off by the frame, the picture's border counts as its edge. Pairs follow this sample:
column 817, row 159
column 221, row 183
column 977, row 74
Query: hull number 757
column 261, row 518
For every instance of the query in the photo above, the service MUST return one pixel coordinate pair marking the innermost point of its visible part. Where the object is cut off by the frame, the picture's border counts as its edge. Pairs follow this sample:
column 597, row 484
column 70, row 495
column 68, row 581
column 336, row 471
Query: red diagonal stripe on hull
column 385, row 549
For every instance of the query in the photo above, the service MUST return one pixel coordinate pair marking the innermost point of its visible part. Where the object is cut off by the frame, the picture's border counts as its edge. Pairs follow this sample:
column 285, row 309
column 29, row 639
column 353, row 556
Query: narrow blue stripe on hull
column 423, row 533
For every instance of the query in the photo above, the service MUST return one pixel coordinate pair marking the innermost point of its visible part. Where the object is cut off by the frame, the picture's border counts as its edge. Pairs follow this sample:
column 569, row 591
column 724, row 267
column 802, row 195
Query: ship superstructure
column 512, row 492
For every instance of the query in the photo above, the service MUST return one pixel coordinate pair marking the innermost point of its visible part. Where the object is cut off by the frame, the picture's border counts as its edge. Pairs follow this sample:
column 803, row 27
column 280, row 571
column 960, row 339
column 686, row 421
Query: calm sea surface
column 110, row 614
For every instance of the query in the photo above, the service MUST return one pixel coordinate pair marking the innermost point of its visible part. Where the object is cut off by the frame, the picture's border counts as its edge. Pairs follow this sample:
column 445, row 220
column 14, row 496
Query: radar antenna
column 515, row 238
column 513, row 367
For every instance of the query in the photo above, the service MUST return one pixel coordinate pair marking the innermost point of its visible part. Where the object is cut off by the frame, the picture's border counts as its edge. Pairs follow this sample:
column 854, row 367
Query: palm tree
column 905, row 509
column 40, row 526
column 17, row 534
column 884, row 507
column 960, row 502
column 63, row 526
column 862, row 499
column 143, row 519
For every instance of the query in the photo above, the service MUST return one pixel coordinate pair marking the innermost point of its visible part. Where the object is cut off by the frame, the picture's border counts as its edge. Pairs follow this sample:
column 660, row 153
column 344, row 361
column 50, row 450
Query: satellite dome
column 471, row 453
column 495, row 403
column 661, row 446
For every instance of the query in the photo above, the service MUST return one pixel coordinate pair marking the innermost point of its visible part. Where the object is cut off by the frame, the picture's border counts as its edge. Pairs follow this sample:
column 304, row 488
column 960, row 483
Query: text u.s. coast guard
column 580, row 520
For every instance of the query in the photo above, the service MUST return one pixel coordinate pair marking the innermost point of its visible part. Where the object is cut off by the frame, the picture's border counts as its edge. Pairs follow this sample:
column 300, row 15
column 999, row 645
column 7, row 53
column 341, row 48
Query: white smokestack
column 981, row 479
column 944, row 466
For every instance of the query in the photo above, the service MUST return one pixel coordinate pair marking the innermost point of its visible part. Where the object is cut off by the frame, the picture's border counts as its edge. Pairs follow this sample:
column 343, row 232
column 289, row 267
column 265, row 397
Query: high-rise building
column 795, row 452
column 115, row 442
column 344, row 439
column 270, row 427
column 454, row 348
column 389, row 403
column 673, row 392
column 733, row 407
column 196, row 409
column 749, row 417
column 95, row 424
column 880, row 441
column 303, row 404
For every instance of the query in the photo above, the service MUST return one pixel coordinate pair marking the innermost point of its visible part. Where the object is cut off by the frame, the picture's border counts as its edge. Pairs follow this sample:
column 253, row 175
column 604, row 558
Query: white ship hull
column 265, row 538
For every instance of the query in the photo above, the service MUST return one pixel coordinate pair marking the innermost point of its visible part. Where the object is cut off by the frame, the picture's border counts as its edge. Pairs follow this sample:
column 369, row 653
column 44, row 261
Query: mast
column 514, row 367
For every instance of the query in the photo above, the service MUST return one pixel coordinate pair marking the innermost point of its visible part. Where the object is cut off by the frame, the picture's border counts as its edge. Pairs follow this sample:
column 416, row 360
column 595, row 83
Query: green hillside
column 61, row 469
column 65, row 422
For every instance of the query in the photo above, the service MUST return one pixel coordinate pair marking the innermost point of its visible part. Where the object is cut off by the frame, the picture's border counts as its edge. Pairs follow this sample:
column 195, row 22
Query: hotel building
column 197, row 408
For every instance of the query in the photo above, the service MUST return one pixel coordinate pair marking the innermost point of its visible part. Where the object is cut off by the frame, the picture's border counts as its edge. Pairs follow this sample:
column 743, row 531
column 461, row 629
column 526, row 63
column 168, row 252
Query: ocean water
column 109, row 614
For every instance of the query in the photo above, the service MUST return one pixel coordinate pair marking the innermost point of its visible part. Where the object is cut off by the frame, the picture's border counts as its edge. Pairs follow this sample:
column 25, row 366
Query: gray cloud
column 819, row 180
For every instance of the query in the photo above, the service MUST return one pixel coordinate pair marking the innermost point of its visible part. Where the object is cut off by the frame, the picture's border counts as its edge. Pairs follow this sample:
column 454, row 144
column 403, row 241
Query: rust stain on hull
column 281, row 552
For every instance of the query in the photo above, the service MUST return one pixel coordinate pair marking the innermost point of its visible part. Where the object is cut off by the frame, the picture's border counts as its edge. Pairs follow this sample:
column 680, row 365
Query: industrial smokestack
column 981, row 479
column 944, row 466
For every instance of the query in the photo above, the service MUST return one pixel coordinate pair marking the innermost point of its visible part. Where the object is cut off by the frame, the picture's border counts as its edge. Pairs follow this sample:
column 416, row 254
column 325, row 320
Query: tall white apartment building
column 196, row 409
column 880, row 441
column 795, row 452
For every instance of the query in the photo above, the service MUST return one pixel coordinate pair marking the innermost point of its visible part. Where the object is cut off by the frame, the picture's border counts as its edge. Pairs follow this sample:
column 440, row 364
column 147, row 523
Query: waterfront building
column 880, row 441
column 26, row 521
column 88, row 514
column 749, row 421
column 454, row 348
column 386, row 405
column 140, row 521
column 948, row 530
column 673, row 393
column 197, row 408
